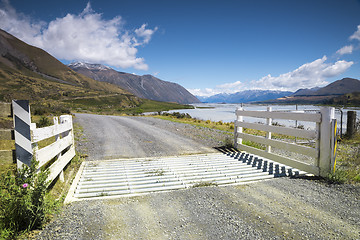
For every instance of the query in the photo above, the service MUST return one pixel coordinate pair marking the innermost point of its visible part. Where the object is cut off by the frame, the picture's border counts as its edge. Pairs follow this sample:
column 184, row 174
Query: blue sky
column 207, row 46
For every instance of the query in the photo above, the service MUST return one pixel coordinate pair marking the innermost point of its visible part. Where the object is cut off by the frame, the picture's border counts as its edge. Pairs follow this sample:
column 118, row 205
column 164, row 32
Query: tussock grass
column 347, row 161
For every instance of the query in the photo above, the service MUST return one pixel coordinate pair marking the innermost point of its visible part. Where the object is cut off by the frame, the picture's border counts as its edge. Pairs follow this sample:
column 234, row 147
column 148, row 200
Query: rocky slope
column 146, row 86
column 28, row 72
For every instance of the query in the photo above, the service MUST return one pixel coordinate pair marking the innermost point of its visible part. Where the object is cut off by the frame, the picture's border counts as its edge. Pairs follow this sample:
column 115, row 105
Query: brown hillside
column 19, row 60
column 27, row 72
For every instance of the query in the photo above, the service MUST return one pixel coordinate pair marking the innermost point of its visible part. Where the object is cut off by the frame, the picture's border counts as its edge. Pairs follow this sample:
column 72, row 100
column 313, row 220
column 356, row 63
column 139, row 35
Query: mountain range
column 315, row 95
column 146, row 86
column 28, row 72
column 245, row 96
column 333, row 93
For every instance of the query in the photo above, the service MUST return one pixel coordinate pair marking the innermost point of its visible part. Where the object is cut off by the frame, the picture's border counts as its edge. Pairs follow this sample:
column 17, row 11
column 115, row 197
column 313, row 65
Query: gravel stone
column 282, row 208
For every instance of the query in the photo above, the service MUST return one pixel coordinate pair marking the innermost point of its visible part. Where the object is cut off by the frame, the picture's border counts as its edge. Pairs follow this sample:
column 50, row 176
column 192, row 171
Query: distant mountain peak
column 245, row 96
column 146, row 86
column 89, row 66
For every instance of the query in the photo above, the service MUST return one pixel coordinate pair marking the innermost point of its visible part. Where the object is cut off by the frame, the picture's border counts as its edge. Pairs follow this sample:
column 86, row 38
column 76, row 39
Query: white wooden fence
column 57, row 154
column 323, row 153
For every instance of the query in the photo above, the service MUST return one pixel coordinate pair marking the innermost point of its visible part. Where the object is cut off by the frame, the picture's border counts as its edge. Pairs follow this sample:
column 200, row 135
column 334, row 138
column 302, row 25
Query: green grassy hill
column 350, row 99
column 27, row 72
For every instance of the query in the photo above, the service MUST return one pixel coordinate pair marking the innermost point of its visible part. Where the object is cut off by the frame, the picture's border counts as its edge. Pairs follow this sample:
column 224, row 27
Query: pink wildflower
column 25, row 185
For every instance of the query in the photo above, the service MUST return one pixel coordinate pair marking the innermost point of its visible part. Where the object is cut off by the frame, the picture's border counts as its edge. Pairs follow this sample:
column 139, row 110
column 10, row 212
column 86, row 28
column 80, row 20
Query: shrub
column 228, row 142
column 40, row 110
column 340, row 176
column 277, row 124
column 177, row 115
column 24, row 202
column 44, row 122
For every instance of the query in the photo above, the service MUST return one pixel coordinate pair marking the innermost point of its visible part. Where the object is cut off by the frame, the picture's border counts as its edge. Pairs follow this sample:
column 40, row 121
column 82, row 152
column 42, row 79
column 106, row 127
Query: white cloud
column 18, row 24
column 356, row 34
column 223, row 88
column 233, row 87
column 83, row 37
column 308, row 75
column 146, row 34
column 313, row 74
column 345, row 50
column 203, row 92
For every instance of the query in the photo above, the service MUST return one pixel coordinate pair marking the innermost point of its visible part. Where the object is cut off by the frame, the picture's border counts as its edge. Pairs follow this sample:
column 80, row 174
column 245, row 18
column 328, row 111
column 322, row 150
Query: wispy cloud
column 81, row 37
column 144, row 33
column 223, row 88
column 356, row 34
column 313, row 74
column 345, row 50
column 350, row 48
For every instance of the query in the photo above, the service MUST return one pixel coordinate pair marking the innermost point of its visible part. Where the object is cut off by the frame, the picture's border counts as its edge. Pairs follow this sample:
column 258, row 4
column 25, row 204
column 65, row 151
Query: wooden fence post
column 268, row 134
column 327, row 114
column 237, row 130
column 57, row 138
column 22, row 122
column 351, row 124
column 64, row 119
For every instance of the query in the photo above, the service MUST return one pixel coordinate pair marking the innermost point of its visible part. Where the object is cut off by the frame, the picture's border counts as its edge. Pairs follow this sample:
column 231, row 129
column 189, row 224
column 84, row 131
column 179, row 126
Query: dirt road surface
column 282, row 208
column 111, row 137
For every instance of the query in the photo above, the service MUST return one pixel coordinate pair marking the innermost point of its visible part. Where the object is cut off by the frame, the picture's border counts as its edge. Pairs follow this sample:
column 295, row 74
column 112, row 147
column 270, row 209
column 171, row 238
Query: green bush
column 24, row 202
column 229, row 142
column 44, row 122
column 177, row 115
column 339, row 176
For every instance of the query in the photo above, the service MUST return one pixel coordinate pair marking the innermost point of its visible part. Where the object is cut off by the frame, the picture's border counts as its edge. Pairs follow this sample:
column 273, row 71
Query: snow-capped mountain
column 245, row 96
column 89, row 66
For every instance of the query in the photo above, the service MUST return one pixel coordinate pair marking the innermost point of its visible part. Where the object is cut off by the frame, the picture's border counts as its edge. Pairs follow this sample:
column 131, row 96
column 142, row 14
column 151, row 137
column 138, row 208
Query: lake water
column 226, row 113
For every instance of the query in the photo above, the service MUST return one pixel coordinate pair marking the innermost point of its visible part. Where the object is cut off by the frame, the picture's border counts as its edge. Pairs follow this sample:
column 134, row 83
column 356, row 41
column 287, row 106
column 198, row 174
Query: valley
column 27, row 72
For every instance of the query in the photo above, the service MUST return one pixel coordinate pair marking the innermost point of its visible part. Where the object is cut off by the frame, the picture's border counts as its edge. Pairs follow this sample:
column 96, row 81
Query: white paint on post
column 27, row 136
column 309, row 134
column 57, row 138
column 238, row 129
column 22, row 122
column 268, row 134
column 47, row 132
column 321, row 153
column 327, row 114
column 317, row 144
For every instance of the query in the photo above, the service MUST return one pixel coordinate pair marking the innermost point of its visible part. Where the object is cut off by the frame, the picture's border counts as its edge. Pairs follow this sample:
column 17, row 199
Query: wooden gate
column 55, row 155
column 322, row 152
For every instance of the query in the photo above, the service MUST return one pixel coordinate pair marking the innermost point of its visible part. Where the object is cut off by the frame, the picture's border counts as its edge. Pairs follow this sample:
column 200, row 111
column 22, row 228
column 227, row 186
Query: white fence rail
column 322, row 153
column 57, row 154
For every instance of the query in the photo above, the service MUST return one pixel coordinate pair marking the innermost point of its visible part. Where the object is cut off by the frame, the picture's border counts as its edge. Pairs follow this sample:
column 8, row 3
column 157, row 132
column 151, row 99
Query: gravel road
column 283, row 208
column 111, row 137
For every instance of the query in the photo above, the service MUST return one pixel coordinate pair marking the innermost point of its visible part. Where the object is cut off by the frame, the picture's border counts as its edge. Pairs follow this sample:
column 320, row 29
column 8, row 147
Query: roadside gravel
column 283, row 208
